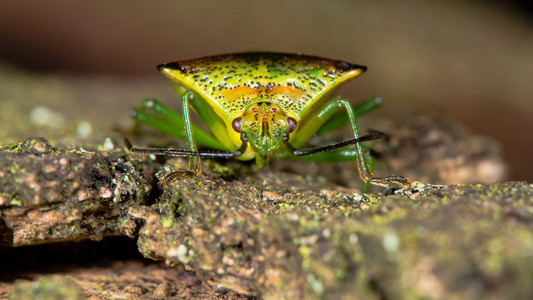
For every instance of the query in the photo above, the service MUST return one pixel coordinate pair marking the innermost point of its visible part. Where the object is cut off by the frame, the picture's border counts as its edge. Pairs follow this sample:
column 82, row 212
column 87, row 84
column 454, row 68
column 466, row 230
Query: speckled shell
column 230, row 83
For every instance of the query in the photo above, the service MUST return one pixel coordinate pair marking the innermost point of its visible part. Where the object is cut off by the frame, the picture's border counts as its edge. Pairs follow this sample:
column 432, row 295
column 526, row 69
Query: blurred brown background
column 471, row 61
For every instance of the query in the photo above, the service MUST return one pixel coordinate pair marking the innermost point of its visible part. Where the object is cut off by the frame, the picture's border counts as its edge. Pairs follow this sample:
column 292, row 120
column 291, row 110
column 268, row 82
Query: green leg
column 194, row 162
column 362, row 164
column 366, row 185
column 157, row 115
column 365, row 169
column 358, row 153
column 339, row 120
column 166, row 120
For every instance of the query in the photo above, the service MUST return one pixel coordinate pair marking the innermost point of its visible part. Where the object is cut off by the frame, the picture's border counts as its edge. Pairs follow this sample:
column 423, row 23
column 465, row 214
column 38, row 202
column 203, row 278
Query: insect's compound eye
column 254, row 109
column 274, row 110
column 236, row 124
column 292, row 124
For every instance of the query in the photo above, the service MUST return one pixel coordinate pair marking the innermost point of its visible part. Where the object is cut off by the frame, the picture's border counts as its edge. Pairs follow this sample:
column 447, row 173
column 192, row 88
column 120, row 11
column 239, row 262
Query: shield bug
column 262, row 106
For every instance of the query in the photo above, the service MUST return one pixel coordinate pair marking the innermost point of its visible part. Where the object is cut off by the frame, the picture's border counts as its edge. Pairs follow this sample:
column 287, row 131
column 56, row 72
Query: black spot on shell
column 173, row 66
column 343, row 66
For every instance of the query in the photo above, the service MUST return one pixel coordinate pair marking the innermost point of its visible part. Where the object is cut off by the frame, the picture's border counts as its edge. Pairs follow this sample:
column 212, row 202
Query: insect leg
column 359, row 152
column 166, row 120
column 362, row 161
column 194, row 162
column 153, row 113
column 336, row 121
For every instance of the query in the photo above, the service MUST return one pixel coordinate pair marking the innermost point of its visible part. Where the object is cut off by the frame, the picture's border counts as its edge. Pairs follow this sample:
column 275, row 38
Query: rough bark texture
column 59, row 195
column 238, row 231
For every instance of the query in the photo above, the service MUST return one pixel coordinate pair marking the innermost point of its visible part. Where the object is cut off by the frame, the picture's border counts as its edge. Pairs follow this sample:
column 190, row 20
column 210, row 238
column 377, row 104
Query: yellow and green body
column 262, row 106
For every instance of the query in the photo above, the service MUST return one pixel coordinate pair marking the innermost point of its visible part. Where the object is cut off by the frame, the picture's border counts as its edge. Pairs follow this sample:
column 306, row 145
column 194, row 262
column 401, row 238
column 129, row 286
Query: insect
column 262, row 106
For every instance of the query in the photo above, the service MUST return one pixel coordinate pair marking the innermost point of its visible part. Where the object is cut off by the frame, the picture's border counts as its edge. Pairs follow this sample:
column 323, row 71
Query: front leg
column 337, row 152
column 194, row 161
column 365, row 172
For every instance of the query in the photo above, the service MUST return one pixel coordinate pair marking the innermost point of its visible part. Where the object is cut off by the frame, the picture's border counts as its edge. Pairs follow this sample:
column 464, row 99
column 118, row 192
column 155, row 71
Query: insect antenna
column 372, row 136
column 180, row 152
